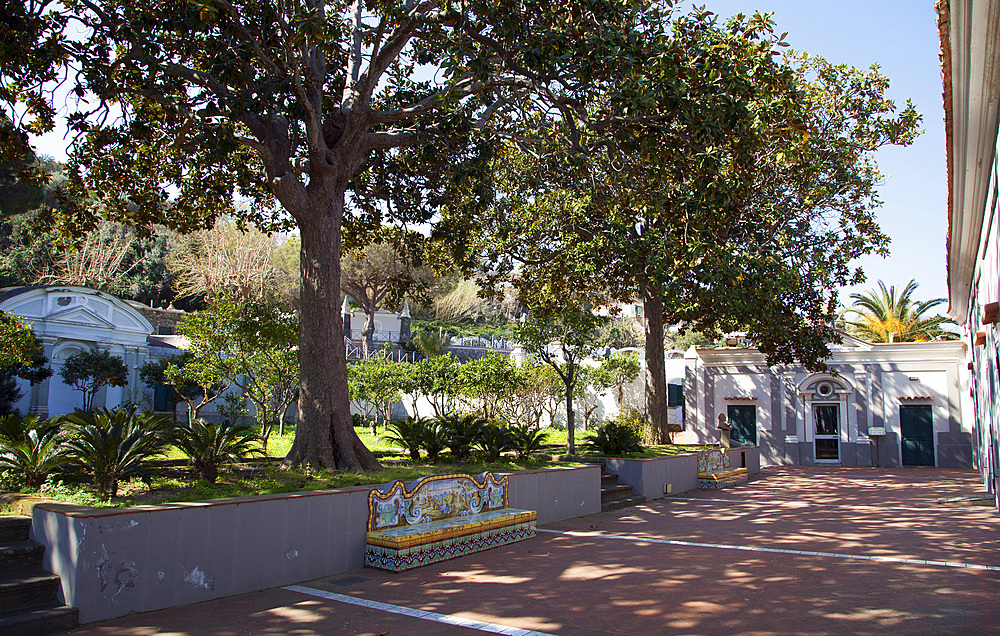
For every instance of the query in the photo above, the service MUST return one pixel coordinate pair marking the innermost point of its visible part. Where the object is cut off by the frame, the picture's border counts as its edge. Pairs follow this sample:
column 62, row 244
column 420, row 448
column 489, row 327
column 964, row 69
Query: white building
column 970, row 52
column 68, row 319
column 893, row 404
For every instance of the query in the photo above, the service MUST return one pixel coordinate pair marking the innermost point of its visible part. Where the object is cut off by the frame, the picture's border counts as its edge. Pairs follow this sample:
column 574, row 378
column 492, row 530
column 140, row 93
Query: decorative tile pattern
column 441, row 517
column 715, row 470
column 431, row 499
column 399, row 559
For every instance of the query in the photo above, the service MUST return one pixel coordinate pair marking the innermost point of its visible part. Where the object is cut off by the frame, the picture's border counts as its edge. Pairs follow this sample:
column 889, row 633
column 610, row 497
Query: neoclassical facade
column 68, row 319
column 876, row 405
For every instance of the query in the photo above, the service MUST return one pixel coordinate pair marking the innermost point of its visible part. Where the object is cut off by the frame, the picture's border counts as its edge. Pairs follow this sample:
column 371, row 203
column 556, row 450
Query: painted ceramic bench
column 715, row 470
column 441, row 517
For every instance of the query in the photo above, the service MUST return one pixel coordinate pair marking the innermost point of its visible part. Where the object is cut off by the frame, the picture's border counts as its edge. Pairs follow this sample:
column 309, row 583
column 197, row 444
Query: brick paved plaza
column 798, row 550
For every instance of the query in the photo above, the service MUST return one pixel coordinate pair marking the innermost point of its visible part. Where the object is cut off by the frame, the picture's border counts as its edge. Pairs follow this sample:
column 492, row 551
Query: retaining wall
column 660, row 476
column 116, row 561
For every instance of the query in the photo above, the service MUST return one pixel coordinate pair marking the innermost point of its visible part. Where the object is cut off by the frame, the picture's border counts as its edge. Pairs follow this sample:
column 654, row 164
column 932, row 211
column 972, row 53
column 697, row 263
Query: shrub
column 31, row 450
column 617, row 437
column 434, row 439
column 114, row 445
column 527, row 439
column 210, row 446
column 493, row 440
column 408, row 433
column 462, row 432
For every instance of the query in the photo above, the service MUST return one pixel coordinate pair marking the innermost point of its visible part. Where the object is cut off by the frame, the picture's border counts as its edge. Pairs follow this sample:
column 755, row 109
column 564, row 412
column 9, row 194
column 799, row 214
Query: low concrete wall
column 116, row 561
column 660, row 476
column 557, row 493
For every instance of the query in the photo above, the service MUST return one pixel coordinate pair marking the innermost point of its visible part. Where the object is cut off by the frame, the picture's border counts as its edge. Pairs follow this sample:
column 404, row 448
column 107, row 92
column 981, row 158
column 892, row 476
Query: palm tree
column 884, row 315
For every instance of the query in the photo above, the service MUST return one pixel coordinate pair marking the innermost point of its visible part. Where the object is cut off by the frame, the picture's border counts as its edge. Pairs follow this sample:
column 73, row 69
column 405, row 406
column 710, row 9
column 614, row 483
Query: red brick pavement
column 571, row 584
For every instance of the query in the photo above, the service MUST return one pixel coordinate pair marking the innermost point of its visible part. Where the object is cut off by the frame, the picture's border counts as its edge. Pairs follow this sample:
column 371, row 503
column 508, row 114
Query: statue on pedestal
column 724, row 427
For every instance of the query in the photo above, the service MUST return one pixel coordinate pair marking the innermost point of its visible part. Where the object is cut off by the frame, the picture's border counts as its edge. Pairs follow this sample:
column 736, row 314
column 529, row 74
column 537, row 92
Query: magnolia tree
column 178, row 110
column 726, row 186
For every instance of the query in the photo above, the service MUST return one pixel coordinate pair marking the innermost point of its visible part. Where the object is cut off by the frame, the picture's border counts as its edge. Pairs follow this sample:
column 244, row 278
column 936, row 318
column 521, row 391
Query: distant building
column 68, row 319
column 970, row 55
column 878, row 404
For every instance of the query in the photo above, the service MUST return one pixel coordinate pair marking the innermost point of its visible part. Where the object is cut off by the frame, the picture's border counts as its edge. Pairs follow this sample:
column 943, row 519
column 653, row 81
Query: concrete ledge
column 658, row 477
column 121, row 560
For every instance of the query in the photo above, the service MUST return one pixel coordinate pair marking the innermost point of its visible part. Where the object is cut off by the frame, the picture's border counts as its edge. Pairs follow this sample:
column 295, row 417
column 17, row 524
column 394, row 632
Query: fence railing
column 491, row 341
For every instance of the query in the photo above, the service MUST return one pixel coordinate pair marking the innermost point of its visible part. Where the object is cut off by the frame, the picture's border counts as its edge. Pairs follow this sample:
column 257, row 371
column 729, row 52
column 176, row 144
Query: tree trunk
column 656, row 373
column 570, row 425
column 324, row 437
column 368, row 333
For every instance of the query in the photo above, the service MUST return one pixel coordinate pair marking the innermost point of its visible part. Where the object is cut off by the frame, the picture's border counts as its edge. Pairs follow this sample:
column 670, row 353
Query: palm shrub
column 526, row 439
column 407, row 433
column 433, row 439
column 115, row 445
column 616, row 437
column 493, row 440
column 210, row 446
column 462, row 432
column 31, row 449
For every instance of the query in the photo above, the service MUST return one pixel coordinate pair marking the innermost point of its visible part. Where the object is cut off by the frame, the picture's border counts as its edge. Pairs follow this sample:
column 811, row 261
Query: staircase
column 29, row 596
column 615, row 495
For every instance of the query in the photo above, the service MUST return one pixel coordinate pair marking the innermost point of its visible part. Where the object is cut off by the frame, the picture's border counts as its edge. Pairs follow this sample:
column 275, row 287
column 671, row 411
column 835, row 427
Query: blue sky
column 901, row 37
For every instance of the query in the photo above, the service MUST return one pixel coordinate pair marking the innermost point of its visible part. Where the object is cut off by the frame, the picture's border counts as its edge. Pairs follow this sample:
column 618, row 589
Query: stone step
column 624, row 502
column 39, row 621
column 14, row 528
column 611, row 493
column 19, row 592
column 608, row 479
column 18, row 556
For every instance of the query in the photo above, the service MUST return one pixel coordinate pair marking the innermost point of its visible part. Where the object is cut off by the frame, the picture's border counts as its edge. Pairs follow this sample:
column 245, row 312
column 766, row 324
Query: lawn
column 167, row 482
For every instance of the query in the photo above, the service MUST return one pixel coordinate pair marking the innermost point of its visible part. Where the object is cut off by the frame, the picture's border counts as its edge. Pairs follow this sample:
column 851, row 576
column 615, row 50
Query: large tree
column 184, row 104
column 724, row 185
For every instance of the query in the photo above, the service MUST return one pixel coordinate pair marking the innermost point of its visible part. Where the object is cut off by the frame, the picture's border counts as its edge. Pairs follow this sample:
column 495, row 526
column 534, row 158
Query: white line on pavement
column 779, row 502
column 747, row 548
column 493, row 628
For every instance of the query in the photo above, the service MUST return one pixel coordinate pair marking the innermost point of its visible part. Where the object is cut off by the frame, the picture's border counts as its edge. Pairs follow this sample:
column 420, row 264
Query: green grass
column 167, row 484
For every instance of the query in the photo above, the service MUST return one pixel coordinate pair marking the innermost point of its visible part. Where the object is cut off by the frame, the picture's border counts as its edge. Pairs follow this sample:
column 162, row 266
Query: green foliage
column 617, row 437
column 493, row 439
column 484, row 382
column 462, row 431
column 526, row 439
column 91, row 370
column 377, row 381
column 561, row 331
column 692, row 338
column 21, row 352
column 115, row 445
column 434, row 439
column 17, row 342
column 197, row 385
column 407, row 433
column 31, row 450
column 890, row 316
column 482, row 327
column 436, row 378
column 210, row 446
column 430, row 343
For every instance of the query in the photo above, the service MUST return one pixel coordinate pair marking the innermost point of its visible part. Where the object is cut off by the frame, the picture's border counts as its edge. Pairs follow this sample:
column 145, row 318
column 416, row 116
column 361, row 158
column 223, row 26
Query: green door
column 743, row 417
column 917, row 431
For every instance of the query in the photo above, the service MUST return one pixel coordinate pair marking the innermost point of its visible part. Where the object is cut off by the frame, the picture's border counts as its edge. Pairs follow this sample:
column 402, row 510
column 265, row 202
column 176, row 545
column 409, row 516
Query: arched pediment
column 71, row 311
column 826, row 385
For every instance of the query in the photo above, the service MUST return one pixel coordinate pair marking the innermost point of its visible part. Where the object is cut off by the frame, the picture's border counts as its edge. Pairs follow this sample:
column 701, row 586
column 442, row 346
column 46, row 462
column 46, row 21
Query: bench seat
column 718, row 479
column 441, row 517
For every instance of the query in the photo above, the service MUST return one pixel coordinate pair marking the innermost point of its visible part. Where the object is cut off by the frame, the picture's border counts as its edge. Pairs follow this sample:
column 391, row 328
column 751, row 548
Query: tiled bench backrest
column 713, row 460
column 433, row 498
